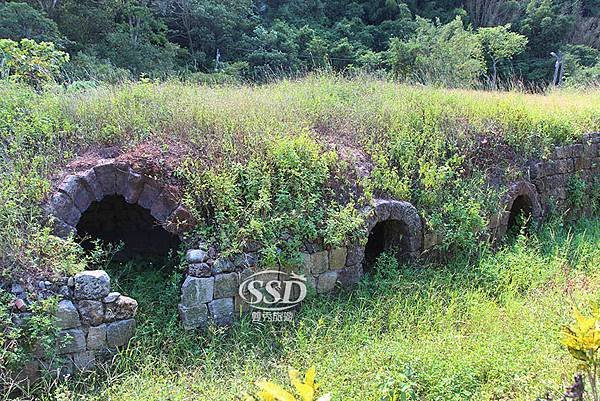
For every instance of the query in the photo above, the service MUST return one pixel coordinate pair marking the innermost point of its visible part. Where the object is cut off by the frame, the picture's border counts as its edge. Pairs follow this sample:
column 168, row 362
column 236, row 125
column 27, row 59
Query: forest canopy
column 457, row 43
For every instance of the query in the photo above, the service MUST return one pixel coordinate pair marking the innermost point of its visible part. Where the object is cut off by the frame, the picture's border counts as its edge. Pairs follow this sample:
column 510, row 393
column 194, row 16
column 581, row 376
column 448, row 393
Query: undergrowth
column 479, row 329
column 282, row 163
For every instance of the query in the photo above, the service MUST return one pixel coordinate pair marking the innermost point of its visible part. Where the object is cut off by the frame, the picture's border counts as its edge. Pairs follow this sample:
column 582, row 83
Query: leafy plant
column 399, row 387
column 582, row 339
column 306, row 388
column 21, row 335
column 30, row 62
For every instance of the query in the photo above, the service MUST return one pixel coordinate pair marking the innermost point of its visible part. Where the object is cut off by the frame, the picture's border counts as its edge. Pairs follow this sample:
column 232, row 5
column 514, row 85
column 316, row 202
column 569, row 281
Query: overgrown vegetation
column 441, row 42
column 282, row 163
column 483, row 329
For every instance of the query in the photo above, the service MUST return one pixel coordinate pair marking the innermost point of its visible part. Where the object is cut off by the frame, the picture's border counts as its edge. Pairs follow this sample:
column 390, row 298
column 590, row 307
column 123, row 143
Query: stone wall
column 552, row 177
column 97, row 322
column 94, row 322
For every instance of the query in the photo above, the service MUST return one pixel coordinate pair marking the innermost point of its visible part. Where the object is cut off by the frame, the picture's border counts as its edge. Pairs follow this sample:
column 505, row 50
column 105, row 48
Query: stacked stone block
column 210, row 290
column 552, row 177
column 93, row 322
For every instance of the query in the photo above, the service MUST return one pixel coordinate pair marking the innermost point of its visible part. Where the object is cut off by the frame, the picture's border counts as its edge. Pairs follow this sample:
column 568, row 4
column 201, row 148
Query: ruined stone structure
column 93, row 322
column 99, row 321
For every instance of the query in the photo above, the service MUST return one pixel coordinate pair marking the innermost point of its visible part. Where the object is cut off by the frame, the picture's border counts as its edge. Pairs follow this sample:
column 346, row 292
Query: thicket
column 284, row 163
column 491, row 43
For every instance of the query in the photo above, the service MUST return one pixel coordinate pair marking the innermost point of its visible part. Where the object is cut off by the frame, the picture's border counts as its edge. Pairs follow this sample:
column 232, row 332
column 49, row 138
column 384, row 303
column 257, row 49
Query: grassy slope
column 426, row 145
column 480, row 330
column 486, row 329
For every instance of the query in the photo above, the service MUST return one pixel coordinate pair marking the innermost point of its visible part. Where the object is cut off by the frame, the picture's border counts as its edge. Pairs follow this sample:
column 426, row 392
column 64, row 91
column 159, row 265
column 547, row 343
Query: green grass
column 481, row 330
column 436, row 148
column 256, row 162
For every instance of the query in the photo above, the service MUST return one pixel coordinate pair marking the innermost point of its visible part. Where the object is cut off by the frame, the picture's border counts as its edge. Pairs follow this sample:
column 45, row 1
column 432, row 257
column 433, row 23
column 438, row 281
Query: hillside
column 232, row 151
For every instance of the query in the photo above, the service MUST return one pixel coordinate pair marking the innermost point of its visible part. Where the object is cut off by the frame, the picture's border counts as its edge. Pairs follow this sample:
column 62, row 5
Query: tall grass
column 481, row 331
column 429, row 146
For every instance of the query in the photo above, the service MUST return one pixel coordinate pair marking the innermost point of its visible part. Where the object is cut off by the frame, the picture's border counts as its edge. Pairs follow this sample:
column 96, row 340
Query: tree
column 447, row 54
column 20, row 20
column 491, row 12
column 499, row 44
column 30, row 62
column 547, row 28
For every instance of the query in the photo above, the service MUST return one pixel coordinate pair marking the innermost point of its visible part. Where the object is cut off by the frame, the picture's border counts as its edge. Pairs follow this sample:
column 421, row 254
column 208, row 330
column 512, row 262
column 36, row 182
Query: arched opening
column 520, row 214
column 387, row 236
column 113, row 220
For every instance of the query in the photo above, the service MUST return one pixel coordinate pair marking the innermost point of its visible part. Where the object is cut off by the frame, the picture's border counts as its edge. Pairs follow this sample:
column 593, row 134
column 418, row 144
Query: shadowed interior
column 388, row 235
column 520, row 212
column 113, row 220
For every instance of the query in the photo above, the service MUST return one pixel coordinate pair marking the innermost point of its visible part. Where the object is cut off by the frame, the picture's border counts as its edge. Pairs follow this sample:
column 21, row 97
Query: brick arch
column 519, row 191
column 75, row 194
column 392, row 218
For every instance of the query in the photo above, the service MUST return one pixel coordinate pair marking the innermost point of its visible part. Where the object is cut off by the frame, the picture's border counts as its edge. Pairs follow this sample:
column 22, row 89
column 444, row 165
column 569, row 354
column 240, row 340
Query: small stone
column 71, row 282
column 119, row 333
column 111, row 297
column 92, row 312
column 245, row 260
column 90, row 179
column 20, row 304
column 64, row 209
column 316, row 263
column 17, row 289
column 148, row 196
column 163, row 206
column 67, row 315
column 226, row 285
column 196, row 256
column 96, row 337
column 48, row 284
column 84, row 361
column 193, row 317
column 221, row 311
column 65, row 291
column 71, row 341
column 106, row 176
column 41, row 285
column 123, row 308
column 180, row 221
column 326, row 282
column 196, row 291
column 355, row 255
column 337, row 258
column 350, row 275
column 75, row 187
column 92, row 284
column 133, row 188
column 212, row 252
column 223, row 265
column 199, row 270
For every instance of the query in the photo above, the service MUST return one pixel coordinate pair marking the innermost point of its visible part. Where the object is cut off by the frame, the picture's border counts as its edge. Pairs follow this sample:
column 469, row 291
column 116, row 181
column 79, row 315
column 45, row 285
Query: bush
column 30, row 62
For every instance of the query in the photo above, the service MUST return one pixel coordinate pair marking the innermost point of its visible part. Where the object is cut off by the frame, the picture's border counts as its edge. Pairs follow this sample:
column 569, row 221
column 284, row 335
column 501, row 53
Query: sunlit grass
column 482, row 331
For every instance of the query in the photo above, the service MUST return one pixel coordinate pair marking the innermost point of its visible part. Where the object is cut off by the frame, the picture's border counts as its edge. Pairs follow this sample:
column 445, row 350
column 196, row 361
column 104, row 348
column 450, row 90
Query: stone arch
column 110, row 178
column 392, row 224
column 521, row 197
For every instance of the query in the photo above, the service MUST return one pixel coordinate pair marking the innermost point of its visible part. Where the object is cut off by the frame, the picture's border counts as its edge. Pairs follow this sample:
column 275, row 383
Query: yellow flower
column 306, row 389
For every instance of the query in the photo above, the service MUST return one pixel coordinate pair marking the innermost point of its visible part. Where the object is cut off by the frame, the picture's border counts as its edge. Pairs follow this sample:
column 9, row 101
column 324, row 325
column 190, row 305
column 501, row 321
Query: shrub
column 30, row 62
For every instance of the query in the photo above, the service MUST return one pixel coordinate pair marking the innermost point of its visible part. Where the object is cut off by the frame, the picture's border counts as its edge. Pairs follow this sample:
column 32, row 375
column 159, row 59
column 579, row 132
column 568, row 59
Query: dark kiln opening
column 520, row 213
column 113, row 220
column 388, row 235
